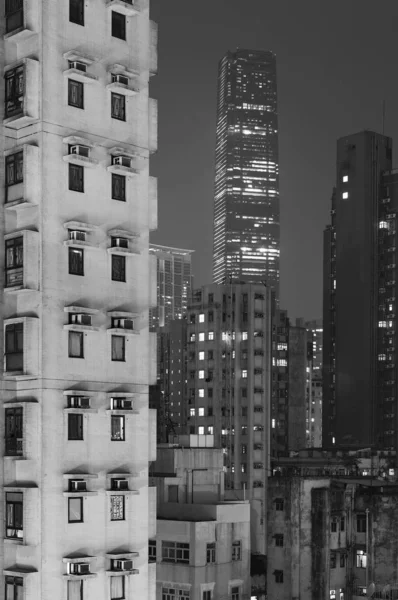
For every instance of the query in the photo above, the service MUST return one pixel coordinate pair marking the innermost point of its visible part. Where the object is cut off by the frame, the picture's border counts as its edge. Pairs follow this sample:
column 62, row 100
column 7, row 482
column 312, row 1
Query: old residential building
column 202, row 548
column 78, row 205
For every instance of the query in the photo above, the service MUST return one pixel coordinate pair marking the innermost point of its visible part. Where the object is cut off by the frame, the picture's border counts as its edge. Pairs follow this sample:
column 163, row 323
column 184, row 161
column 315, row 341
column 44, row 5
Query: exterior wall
column 314, row 384
column 49, row 209
column 297, row 385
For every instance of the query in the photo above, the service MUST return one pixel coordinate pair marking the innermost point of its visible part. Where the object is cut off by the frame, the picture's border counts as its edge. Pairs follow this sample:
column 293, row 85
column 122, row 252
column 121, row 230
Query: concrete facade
column 314, row 384
column 78, row 131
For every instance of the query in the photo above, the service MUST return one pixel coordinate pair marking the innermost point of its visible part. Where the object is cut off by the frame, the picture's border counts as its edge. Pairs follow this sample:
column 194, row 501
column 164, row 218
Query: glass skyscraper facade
column 246, row 201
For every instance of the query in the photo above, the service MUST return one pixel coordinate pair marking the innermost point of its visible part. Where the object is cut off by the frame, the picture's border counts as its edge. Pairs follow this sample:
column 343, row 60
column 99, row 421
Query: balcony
column 22, row 94
column 129, row 8
column 14, row 446
column 14, row 277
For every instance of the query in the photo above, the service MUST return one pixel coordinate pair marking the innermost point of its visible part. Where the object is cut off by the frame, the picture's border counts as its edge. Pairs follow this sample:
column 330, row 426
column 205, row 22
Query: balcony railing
column 14, row 277
column 14, row 446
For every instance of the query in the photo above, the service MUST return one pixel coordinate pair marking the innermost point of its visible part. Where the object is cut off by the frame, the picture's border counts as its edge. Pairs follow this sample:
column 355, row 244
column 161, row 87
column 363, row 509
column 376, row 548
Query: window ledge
column 122, row 476
column 20, row 120
column 125, row 8
column 121, row 331
column 80, row 225
column 122, row 88
column 80, row 577
column 79, row 411
column 83, row 161
column 77, row 494
column 14, row 457
column 82, row 76
column 17, row 376
column 122, row 492
column 116, row 555
column 14, row 541
column 121, row 412
column 121, row 170
column 20, row 571
column 18, row 288
column 122, row 573
column 80, row 244
column 18, row 35
column 77, row 327
column 17, row 204
column 80, row 476
column 123, row 251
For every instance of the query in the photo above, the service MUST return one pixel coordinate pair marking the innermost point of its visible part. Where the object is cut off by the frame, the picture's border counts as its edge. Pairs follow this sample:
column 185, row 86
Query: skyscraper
column 246, row 200
column 78, row 129
column 360, row 288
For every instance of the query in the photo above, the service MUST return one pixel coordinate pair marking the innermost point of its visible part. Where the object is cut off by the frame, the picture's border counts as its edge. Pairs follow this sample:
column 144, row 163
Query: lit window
column 345, row 178
column 201, row 374
column 201, row 393
column 332, row 595
column 383, row 225
column 192, row 337
column 333, row 440
column 281, row 362
column 191, row 412
column 201, row 430
column 382, row 357
column 210, row 430
column 282, row 346
column 382, row 323
column 224, row 336
column 201, row 337
column 361, row 559
column 201, row 412
column 334, row 284
column 344, row 195
column 273, row 423
column 201, row 318
column 244, row 335
column 201, row 355
column 244, row 374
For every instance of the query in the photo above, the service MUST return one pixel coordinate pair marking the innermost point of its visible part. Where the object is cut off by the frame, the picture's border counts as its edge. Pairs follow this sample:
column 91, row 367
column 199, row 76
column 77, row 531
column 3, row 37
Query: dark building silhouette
column 360, row 282
column 246, row 201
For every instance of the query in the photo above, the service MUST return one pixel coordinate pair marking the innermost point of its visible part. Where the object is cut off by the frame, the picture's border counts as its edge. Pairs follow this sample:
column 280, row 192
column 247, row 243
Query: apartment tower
column 78, row 132
column 360, row 283
column 246, row 195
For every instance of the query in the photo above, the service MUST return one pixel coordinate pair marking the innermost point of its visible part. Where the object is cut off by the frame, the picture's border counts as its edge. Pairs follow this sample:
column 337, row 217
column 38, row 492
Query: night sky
column 336, row 63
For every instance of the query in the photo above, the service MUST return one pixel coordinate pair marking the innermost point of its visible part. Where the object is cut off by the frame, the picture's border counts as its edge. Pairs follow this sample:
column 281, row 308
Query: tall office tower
column 360, row 281
column 246, row 200
column 174, row 284
column 78, row 131
column 314, row 384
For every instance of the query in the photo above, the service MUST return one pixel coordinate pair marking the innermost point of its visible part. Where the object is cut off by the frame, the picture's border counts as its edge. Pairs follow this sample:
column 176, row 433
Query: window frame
column 79, row 269
column 80, row 94
column 122, row 429
column 16, row 246
column 236, row 551
column 75, row 427
column 116, row 177
column 121, row 498
column 279, row 540
column 76, row 582
column 16, row 582
column 279, row 504
column 14, row 414
column 278, row 574
column 118, row 258
column 16, row 162
column 120, row 577
column 81, row 503
column 14, row 91
column 76, row 334
column 120, row 339
column 78, row 6
column 76, row 184
column 175, row 552
column 121, row 114
column 211, row 553
column 115, row 17
column 17, row 330
column 14, row 523
column 152, row 554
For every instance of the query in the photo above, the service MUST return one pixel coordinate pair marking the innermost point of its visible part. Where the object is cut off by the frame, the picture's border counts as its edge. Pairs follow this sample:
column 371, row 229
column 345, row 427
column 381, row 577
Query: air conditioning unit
column 80, row 568
column 79, row 319
column 119, row 242
column 80, row 150
column 124, row 564
column 79, row 402
column 123, row 161
column 120, row 484
column 123, row 323
column 78, row 485
column 75, row 64
column 120, row 79
column 127, row 404
column 74, row 234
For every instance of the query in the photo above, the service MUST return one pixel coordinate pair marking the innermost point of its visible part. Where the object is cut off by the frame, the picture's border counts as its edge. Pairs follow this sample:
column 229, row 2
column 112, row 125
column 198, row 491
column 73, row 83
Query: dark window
column 279, row 504
column 210, row 316
column 206, row 595
column 279, row 540
column 235, row 593
column 75, row 510
column 76, row 11
column 333, row 561
column 75, row 590
column 75, row 93
column 14, row 588
column 14, row 347
column 117, row 428
column 361, row 523
column 118, row 588
column 118, row 25
column 14, row 15
column 118, row 347
column 210, row 411
column 342, row 524
column 14, row 262
column 75, row 426
column 210, row 392
column 13, row 431
column 118, row 104
column 211, row 298
column 76, row 344
column 342, row 560
column 244, row 411
column 237, row 550
column 76, row 261
column 278, row 576
column 76, row 178
column 152, row 550
column 14, row 168
column 175, row 552
column 14, row 515
column 211, row 553
column 118, row 268
column 333, row 525
column 14, row 82
column 118, row 187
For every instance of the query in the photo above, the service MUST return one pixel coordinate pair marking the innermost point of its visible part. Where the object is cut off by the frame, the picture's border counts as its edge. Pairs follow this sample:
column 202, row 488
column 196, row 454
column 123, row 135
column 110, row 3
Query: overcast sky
column 336, row 63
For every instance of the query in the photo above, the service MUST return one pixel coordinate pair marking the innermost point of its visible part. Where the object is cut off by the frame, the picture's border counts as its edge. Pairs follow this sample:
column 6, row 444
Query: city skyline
column 322, row 96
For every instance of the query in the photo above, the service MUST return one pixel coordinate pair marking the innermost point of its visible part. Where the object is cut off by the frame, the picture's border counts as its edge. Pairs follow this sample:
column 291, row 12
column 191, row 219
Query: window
column 201, row 393
column 210, row 316
column 244, row 411
column 211, row 553
column 210, row 355
column 175, row 594
column 361, row 559
column 14, row 169
column 210, row 392
column 210, row 412
column 14, row 17
column 192, row 337
column 201, row 374
column 175, row 552
column 75, row 590
column 76, row 11
column 14, row 588
column 75, row 510
column 117, row 508
column 14, row 515
column 342, row 523
column 361, row 523
column 15, row 84
column 279, row 540
column 152, row 550
column 191, row 412
column 75, row 426
column 118, row 268
column 118, row 25
column 201, row 430
column 244, row 373
column 14, row 347
column 333, row 525
column 118, row 107
column 235, row 593
column 75, row 93
column 201, row 337
column 344, row 195
column 14, row 262
column 342, row 560
column 117, row 428
column 243, row 467
column 76, row 178
column 118, row 187
column 76, row 344
column 237, row 550
column 243, row 448
column 278, row 576
column 76, row 261
column 279, row 503
column 345, row 179
column 118, row 348
column 210, row 335
column 201, row 355
column 201, row 318
column 201, row 412
column 333, row 558
column 206, row 595
column 210, row 429
column 118, row 588
column 13, row 431
column 244, row 335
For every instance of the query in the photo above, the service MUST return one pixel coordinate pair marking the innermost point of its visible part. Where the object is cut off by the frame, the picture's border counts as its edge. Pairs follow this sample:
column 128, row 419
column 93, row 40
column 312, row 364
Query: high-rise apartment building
column 314, row 383
column 246, row 201
column 78, row 205
column 360, row 285
column 174, row 284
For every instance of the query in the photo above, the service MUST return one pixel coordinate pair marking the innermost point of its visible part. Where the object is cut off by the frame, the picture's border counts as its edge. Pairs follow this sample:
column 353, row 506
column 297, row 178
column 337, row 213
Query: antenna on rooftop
column 383, row 120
